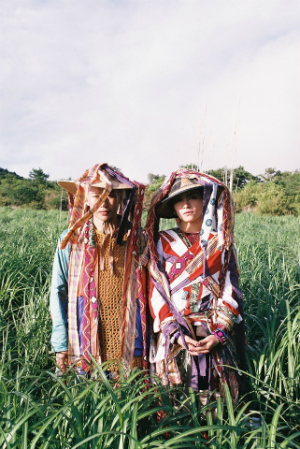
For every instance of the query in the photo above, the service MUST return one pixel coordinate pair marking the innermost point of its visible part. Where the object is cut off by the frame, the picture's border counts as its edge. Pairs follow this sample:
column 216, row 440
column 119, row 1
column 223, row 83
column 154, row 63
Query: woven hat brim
column 71, row 186
column 166, row 209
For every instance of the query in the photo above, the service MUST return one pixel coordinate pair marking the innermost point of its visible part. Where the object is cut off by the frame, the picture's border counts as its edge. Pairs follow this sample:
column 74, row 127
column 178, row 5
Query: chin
column 189, row 220
column 103, row 218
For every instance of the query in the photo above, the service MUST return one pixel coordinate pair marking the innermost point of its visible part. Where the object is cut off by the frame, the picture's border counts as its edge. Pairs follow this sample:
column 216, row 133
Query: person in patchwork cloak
column 96, row 306
column 194, row 298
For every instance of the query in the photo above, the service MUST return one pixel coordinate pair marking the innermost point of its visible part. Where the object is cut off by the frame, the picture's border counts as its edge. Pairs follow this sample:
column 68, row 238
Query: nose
column 186, row 203
column 106, row 202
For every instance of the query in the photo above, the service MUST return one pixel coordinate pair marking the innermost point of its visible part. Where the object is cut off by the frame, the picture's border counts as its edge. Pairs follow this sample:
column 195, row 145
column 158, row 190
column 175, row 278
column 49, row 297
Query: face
column 107, row 212
column 188, row 208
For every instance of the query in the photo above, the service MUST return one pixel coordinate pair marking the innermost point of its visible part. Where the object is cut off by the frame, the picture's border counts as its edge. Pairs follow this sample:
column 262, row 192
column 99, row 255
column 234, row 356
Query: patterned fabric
column 83, row 268
column 78, row 215
column 90, row 311
column 110, row 286
column 133, row 284
column 191, row 291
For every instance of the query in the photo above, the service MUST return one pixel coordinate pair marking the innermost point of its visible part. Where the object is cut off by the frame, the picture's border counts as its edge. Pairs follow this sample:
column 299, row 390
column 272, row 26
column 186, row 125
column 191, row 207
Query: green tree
column 280, row 195
column 269, row 175
column 241, row 177
column 190, row 167
column 155, row 181
column 38, row 176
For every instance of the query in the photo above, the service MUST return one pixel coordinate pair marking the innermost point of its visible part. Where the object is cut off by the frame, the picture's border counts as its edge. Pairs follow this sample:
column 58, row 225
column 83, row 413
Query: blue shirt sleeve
column 59, row 298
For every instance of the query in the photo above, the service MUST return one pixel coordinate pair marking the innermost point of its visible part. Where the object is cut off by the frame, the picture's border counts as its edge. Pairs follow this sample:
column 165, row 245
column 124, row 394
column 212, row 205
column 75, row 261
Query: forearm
column 59, row 301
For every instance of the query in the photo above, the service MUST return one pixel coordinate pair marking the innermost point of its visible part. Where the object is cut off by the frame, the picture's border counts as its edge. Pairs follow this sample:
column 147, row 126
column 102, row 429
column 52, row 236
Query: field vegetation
column 271, row 193
column 40, row 410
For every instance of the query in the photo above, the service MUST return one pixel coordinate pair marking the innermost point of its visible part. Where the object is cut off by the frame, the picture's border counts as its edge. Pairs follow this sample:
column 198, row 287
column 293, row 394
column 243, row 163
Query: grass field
column 37, row 409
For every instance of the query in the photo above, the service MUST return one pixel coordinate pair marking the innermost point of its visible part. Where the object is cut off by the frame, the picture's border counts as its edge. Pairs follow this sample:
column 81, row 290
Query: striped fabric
column 188, row 286
column 83, row 268
column 132, row 285
column 191, row 291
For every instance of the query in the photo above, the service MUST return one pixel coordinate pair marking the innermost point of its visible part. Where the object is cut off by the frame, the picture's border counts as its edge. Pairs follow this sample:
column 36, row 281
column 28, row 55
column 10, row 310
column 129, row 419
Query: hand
column 193, row 345
column 199, row 347
column 62, row 360
column 208, row 343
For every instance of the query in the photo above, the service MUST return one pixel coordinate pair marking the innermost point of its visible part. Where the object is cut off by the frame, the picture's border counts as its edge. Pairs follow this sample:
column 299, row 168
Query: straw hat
column 166, row 209
column 71, row 186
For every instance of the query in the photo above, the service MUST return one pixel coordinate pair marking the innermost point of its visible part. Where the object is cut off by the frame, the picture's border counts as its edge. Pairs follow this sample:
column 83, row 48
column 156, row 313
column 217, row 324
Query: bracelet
column 216, row 335
column 221, row 335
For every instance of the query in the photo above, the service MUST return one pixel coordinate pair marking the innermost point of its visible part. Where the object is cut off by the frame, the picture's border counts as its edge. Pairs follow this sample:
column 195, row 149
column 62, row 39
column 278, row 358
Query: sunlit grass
column 37, row 409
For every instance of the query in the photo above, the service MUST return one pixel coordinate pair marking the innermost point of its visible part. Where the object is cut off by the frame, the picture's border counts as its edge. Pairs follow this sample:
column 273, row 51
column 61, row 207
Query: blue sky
column 148, row 85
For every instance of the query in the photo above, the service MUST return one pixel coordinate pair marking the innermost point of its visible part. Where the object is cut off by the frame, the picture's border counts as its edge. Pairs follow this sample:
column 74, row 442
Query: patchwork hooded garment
column 193, row 290
column 83, row 337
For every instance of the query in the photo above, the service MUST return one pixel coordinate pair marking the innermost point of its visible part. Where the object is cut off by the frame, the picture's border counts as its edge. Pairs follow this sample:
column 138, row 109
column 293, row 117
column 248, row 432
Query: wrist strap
column 221, row 335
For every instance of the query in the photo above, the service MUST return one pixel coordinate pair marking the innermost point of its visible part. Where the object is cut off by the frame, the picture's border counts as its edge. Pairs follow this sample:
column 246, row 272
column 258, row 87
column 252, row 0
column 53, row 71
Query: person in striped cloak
column 96, row 303
column 196, row 305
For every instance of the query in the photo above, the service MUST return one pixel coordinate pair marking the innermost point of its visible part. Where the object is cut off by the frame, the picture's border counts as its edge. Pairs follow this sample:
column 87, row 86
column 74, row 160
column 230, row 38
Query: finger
column 191, row 340
column 203, row 342
column 197, row 350
column 196, row 353
column 192, row 347
column 188, row 341
column 206, row 347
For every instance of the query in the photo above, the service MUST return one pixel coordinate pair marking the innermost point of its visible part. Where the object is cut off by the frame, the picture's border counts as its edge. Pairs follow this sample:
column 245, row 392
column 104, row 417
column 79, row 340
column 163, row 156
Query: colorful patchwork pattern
column 191, row 293
column 83, row 266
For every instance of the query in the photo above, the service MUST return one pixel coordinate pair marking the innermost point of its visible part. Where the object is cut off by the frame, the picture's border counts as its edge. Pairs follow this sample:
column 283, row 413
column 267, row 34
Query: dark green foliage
column 35, row 193
column 240, row 176
column 17, row 192
column 156, row 179
column 4, row 173
column 279, row 194
column 155, row 182
column 275, row 192
column 38, row 176
column 190, row 167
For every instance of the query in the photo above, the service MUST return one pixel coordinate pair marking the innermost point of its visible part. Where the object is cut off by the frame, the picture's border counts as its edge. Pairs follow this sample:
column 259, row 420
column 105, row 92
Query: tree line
column 35, row 192
column 273, row 192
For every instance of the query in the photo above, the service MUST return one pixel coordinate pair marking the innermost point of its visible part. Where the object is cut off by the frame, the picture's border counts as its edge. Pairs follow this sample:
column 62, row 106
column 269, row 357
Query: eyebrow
column 188, row 194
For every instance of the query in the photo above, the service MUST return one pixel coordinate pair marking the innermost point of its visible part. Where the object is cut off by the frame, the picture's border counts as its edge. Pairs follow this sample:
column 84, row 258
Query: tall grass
column 37, row 409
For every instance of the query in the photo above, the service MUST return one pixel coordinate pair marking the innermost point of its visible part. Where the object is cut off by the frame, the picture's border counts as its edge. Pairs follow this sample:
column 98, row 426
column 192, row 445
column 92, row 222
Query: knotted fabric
column 84, row 265
column 217, row 220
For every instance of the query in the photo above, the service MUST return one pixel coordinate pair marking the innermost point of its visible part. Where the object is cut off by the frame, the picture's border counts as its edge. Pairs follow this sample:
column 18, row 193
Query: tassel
column 92, row 241
column 111, row 256
column 101, row 257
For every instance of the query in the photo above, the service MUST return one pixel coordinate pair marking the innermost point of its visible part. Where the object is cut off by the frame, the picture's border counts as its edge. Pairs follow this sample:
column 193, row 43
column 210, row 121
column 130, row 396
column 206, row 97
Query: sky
column 149, row 85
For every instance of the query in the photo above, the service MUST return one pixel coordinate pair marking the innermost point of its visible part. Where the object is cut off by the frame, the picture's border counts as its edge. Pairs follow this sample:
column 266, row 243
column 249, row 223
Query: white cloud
column 140, row 84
